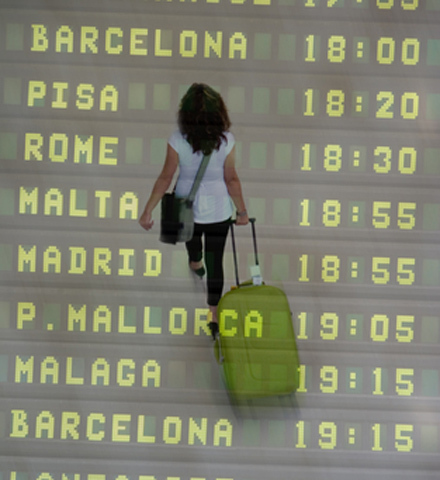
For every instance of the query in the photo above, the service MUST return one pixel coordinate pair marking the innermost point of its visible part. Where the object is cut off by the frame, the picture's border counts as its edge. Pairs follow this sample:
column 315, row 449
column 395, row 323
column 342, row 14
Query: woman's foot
column 197, row 268
column 213, row 322
column 213, row 327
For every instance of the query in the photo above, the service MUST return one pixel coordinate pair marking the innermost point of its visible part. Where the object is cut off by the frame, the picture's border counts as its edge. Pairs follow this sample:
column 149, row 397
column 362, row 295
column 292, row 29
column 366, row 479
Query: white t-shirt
column 212, row 203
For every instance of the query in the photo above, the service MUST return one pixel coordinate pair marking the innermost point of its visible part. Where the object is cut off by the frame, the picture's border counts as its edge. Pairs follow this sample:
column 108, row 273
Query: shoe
column 213, row 326
column 200, row 272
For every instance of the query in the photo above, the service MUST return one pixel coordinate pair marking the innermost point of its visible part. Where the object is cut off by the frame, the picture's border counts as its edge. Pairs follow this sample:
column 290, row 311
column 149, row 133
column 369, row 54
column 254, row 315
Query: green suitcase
column 256, row 347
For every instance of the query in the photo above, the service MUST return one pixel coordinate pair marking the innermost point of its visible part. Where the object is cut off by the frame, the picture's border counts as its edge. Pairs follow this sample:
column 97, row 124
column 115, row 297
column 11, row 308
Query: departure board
column 107, row 369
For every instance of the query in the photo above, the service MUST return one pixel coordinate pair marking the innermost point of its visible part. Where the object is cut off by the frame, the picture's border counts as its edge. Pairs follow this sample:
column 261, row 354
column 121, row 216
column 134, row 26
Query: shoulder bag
column 177, row 218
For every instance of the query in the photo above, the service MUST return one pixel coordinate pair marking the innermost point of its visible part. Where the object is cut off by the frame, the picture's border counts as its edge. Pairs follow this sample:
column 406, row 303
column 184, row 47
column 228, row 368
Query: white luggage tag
column 257, row 279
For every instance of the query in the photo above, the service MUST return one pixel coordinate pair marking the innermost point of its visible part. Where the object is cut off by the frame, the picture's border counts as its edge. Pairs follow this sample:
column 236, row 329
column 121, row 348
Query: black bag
column 177, row 218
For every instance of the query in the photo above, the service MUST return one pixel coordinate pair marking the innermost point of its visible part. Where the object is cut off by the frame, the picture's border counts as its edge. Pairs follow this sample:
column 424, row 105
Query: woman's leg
column 194, row 248
column 215, row 240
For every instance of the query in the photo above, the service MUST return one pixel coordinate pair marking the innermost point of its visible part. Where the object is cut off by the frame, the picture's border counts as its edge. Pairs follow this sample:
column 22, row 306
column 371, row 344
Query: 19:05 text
column 381, row 329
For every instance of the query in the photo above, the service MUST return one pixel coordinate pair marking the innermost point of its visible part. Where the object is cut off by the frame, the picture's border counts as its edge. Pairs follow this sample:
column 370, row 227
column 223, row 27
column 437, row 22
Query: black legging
column 215, row 240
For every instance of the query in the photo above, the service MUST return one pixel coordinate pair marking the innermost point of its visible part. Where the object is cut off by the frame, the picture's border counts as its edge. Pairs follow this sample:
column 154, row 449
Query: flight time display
column 106, row 368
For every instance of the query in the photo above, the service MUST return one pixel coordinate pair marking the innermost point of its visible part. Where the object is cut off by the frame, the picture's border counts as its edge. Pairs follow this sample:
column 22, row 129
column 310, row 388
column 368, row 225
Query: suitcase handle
column 234, row 250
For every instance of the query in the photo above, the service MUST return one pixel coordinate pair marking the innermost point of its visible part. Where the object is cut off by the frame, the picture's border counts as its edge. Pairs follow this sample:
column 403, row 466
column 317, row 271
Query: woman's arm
column 160, row 187
column 234, row 188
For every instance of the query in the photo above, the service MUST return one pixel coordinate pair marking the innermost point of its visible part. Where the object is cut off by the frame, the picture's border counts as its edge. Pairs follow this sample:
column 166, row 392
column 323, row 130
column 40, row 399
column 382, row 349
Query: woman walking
column 203, row 130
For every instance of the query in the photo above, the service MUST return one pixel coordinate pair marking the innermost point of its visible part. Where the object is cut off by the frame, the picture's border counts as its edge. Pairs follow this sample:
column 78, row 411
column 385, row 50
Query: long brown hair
column 203, row 118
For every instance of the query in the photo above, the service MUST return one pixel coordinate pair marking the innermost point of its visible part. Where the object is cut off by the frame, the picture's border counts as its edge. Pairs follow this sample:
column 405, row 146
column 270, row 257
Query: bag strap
column 198, row 179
